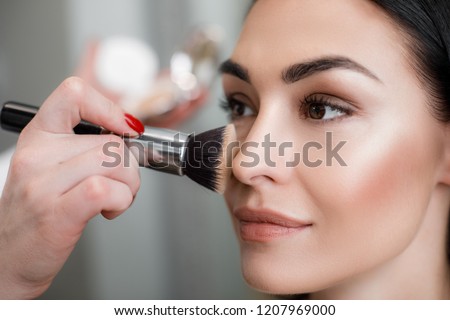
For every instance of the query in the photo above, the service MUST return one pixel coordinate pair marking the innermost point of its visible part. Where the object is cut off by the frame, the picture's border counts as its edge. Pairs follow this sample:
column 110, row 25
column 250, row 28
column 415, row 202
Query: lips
column 265, row 225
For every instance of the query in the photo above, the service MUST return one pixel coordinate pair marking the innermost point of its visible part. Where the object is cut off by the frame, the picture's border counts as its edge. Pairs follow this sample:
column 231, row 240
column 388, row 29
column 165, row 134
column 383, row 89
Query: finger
column 67, row 146
column 114, row 162
column 110, row 215
column 75, row 100
column 91, row 197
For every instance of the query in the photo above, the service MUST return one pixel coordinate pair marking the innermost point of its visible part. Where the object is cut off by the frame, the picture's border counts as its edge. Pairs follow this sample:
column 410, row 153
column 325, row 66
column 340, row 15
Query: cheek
column 373, row 207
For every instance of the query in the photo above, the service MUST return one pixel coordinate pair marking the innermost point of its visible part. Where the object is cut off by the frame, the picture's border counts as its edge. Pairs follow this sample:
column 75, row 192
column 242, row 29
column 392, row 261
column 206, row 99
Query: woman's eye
column 319, row 108
column 236, row 108
column 324, row 112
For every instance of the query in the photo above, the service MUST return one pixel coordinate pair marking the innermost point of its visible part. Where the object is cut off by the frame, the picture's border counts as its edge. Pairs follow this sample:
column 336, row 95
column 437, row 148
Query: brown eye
column 237, row 109
column 316, row 111
column 323, row 108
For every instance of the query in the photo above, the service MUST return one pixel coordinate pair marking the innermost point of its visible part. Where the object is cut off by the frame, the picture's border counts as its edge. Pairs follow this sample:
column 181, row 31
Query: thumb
column 74, row 100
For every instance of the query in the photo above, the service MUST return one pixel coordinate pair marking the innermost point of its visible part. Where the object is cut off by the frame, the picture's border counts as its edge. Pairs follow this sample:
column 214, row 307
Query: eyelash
column 228, row 103
column 322, row 100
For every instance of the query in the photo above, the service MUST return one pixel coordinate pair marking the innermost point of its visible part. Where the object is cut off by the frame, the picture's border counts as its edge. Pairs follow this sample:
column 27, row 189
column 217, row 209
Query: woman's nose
column 265, row 155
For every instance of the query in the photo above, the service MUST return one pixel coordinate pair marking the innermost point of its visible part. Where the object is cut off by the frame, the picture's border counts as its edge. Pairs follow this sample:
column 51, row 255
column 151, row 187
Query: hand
column 56, row 184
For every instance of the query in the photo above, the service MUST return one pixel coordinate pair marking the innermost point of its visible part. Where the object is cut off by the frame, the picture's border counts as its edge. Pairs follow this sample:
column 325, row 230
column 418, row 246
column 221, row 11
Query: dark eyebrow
column 234, row 69
column 302, row 70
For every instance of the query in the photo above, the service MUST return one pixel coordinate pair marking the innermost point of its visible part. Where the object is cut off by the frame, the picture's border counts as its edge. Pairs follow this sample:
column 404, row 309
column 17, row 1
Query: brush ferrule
column 160, row 149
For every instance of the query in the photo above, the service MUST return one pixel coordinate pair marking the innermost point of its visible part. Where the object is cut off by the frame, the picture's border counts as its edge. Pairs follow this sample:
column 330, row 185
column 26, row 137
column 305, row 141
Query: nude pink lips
column 264, row 225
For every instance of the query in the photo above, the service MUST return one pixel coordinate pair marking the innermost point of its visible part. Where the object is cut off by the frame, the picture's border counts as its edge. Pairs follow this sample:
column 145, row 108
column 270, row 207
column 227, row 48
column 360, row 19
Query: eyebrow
column 235, row 69
column 302, row 70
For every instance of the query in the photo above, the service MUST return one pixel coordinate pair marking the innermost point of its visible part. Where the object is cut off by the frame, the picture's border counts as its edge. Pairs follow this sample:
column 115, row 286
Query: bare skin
column 374, row 228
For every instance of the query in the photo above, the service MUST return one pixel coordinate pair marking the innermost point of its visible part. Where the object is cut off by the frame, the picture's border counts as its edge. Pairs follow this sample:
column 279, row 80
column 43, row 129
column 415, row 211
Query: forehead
column 277, row 33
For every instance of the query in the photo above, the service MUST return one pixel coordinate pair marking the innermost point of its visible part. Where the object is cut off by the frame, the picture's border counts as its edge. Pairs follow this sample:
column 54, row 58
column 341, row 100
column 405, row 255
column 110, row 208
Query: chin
column 272, row 284
column 287, row 270
column 270, row 276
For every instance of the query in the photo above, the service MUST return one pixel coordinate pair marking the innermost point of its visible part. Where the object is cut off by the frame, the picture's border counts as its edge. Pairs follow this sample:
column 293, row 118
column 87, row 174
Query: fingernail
column 134, row 123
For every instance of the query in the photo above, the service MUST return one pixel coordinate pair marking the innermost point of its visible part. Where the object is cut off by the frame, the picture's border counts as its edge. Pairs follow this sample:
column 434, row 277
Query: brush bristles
column 208, row 157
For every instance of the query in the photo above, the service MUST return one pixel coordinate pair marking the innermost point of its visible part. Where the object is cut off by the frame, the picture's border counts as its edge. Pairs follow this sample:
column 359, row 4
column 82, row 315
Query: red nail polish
column 134, row 123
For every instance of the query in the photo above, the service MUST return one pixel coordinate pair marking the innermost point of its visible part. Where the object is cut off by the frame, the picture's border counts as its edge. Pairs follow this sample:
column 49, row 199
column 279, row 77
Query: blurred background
column 160, row 248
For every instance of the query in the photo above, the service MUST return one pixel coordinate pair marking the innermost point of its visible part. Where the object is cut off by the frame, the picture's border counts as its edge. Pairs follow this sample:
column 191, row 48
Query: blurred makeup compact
column 126, row 66
column 130, row 68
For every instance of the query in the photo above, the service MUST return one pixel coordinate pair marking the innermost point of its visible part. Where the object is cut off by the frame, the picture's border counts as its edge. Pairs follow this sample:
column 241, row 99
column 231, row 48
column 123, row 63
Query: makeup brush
column 205, row 158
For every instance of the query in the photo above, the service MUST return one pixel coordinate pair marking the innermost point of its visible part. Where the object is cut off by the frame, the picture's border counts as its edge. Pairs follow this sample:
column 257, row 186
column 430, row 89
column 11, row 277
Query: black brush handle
column 15, row 116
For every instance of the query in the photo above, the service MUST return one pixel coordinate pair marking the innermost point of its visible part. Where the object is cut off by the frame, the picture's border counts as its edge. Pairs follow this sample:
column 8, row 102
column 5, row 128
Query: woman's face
column 339, row 152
